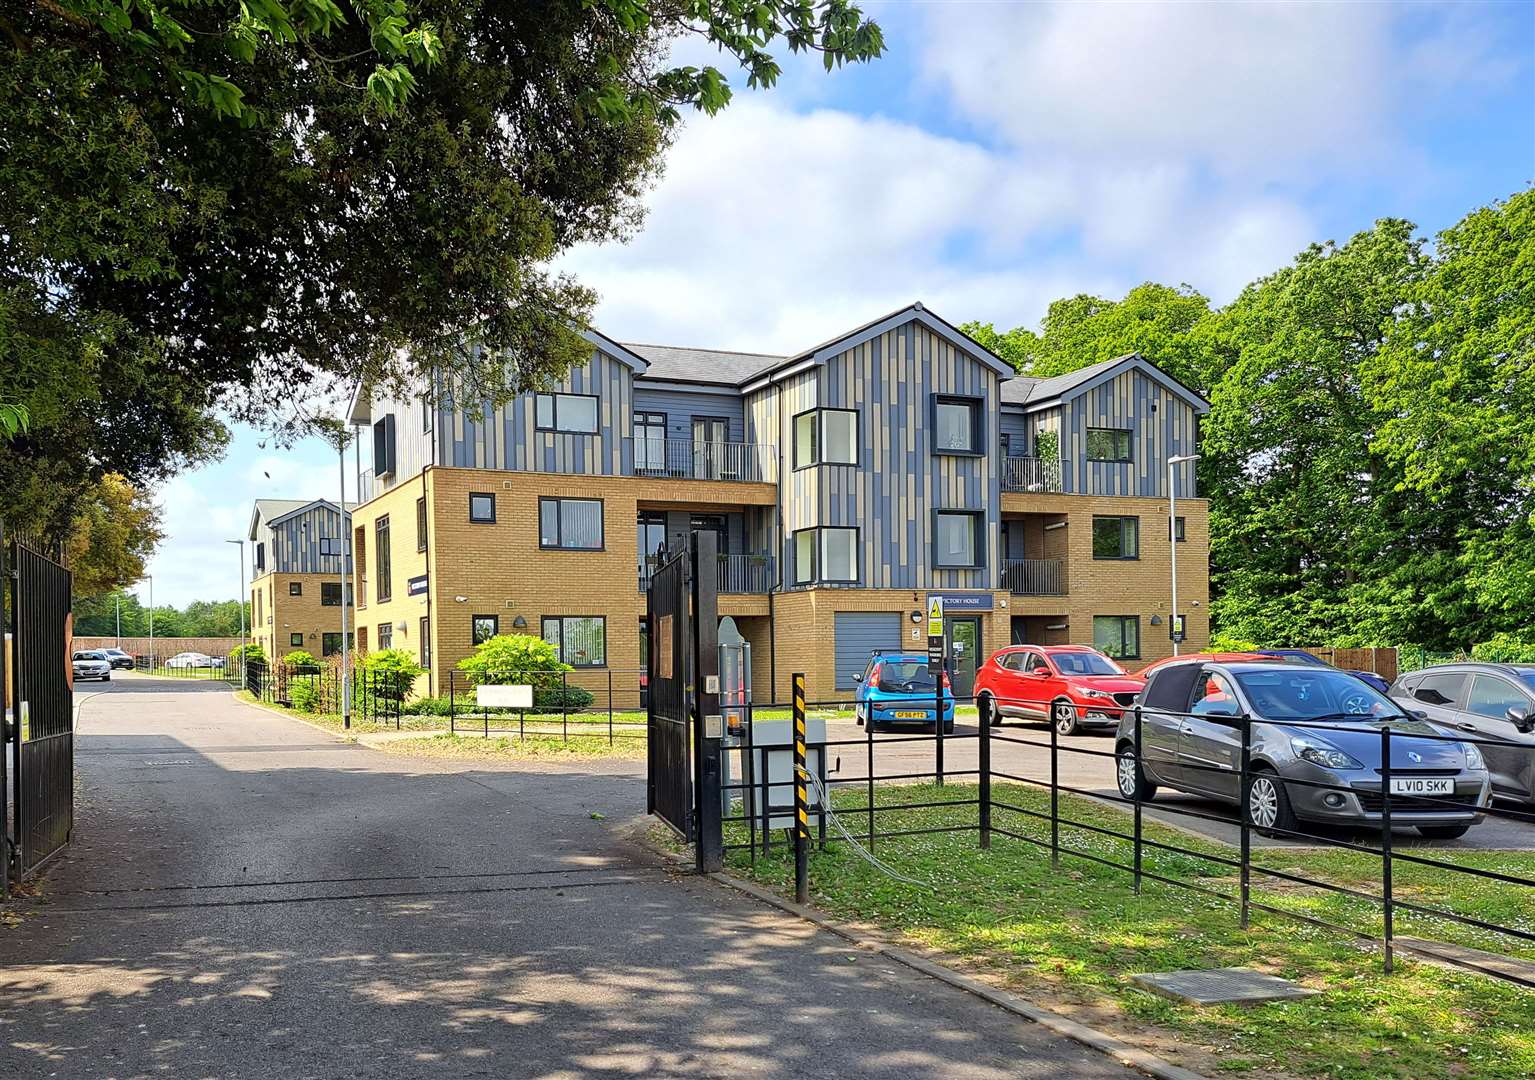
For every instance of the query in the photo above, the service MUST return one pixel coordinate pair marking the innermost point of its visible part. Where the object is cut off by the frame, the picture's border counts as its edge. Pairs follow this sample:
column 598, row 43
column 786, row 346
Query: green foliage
column 251, row 650
column 563, row 698
column 14, row 420
column 368, row 174
column 430, row 706
column 301, row 661
column 514, row 658
column 1506, row 648
column 304, row 696
column 388, row 674
column 1221, row 642
column 1369, row 456
column 97, row 615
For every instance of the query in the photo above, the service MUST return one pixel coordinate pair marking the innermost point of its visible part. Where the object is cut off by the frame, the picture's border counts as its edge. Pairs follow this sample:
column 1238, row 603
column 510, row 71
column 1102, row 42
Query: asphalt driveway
column 247, row 896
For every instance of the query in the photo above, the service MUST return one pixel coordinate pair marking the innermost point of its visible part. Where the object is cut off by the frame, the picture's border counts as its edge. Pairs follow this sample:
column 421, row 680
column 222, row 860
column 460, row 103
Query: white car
column 92, row 665
column 189, row 660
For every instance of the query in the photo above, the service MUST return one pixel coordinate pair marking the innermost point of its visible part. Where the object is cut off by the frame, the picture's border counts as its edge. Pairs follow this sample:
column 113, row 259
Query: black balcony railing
column 689, row 460
column 1031, row 474
column 750, row 574
column 1034, row 577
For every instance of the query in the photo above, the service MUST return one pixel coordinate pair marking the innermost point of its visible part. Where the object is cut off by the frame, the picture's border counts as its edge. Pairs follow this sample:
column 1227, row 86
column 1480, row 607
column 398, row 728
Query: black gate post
column 5, row 810
column 708, row 722
column 983, row 718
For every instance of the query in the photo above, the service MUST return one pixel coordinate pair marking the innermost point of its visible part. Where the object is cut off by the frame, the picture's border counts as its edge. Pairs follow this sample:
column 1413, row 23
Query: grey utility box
column 772, row 764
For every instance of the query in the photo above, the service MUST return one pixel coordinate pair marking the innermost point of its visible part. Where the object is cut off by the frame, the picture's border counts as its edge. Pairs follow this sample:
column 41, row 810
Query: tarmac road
column 249, row 897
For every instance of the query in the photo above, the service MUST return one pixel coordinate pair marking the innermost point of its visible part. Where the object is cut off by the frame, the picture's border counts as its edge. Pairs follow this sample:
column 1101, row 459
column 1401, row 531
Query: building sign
column 416, row 586
column 962, row 603
column 504, row 697
column 935, row 635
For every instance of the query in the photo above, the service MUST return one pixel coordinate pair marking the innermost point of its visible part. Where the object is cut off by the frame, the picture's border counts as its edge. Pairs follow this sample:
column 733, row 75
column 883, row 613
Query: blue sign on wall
column 416, row 586
column 961, row 603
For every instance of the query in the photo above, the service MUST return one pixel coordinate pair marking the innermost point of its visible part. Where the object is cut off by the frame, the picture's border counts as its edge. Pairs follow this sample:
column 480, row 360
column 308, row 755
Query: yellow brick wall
column 1140, row 586
column 498, row 569
column 283, row 615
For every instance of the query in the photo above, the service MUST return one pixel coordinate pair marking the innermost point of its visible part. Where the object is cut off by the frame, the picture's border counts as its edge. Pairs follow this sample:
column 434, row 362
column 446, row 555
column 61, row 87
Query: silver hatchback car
column 1318, row 726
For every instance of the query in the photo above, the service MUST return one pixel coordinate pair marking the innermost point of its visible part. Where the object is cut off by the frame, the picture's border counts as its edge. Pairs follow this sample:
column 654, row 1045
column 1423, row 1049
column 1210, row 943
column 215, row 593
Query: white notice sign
column 504, row 697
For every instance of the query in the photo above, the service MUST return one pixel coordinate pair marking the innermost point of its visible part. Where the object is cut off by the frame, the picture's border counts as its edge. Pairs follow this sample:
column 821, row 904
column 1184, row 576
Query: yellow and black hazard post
column 801, row 798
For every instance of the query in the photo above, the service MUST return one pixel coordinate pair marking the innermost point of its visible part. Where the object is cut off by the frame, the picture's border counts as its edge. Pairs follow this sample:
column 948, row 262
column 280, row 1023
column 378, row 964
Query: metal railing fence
column 586, row 703
column 750, row 806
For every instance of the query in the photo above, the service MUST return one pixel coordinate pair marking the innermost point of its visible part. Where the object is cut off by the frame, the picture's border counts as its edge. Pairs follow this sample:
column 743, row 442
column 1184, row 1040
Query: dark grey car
column 1319, row 726
column 1495, row 702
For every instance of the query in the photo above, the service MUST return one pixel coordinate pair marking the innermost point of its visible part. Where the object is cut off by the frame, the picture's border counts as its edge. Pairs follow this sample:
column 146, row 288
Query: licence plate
column 907, row 714
column 1422, row 785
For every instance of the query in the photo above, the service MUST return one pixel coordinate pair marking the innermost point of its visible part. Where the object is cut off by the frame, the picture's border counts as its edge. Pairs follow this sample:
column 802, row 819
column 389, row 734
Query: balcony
column 1031, row 474
column 750, row 575
column 685, row 459
column 1034, row 577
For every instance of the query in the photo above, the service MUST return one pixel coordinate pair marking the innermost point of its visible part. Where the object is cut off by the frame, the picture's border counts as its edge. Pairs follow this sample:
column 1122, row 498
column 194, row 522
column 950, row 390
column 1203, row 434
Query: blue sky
column 1004, row 155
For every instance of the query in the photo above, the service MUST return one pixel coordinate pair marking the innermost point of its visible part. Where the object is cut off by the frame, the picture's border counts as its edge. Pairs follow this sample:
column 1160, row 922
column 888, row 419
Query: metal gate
column 41, row 736
column 685, row 727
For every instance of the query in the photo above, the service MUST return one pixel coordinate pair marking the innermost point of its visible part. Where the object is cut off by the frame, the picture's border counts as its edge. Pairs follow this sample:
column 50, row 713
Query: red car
column 1072, row 686
column 1205, row 658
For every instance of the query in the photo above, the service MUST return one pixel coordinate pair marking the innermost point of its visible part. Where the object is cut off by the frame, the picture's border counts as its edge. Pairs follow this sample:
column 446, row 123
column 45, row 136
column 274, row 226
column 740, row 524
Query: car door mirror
column 1039, row 673
column 1519, row 716
column 858, row 678
column 1417, row 714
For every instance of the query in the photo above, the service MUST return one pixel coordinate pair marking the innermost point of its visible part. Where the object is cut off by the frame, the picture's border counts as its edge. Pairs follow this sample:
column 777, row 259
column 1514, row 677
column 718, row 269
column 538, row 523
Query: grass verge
column 435, row 741
column 1070, row 939
column 477, row 747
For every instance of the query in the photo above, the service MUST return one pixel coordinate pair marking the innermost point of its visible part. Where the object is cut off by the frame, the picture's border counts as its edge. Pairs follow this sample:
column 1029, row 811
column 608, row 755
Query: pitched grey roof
column 1057, row 385
column 701, row 365
column 271, row 508
column 1016, row 391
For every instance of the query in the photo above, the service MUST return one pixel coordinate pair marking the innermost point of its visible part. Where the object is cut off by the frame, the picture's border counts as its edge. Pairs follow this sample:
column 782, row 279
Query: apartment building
column 846, row 483
column 296, row 550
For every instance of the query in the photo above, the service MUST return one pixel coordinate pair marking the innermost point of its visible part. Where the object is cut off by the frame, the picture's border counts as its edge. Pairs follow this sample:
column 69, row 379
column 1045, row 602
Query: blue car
column 897, row 688
column 1302, row 657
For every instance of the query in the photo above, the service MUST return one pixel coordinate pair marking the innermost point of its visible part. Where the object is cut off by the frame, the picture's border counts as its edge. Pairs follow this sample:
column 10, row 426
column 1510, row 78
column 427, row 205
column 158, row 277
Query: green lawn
column 1070, row 938
column 532, row 746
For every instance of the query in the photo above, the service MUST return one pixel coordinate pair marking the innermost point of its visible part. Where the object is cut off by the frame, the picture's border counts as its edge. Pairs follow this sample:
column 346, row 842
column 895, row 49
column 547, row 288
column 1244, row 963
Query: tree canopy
column 1369, row 456
column 230, row 208
column 96, row 616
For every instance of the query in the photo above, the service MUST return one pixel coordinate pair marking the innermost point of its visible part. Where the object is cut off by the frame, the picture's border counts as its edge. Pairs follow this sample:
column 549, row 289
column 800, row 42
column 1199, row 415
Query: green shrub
column 301, row 662
column 1229, row 643
column 388, row 675
column 249, row 651
column 514, row 658
column 567, row 698
column 1505, row 648
column 430, row 706
column 303, row 696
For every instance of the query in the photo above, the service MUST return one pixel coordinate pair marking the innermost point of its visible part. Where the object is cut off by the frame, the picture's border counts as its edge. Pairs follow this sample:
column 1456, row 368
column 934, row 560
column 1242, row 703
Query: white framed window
column 826, row 437
column 958, row 540
column 826, row 555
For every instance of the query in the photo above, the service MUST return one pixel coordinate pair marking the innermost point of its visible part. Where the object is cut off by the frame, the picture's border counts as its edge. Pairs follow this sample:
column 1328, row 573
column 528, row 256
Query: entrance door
column 964, row 633
column 709, row 436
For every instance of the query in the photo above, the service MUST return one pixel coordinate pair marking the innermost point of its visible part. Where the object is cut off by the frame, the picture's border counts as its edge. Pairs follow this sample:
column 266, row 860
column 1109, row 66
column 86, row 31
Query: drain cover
column 1220, row 985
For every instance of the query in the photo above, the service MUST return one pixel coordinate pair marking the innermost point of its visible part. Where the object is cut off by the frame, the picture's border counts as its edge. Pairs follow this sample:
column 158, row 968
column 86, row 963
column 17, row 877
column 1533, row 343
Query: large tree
column 232, row 207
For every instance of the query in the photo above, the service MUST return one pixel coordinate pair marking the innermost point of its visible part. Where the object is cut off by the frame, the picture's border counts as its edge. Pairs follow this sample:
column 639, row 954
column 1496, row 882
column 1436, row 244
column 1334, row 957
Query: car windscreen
column 1083, row 663
column 905, row 675
column 1526, row 676
column 1307, row 693
column 87, row 656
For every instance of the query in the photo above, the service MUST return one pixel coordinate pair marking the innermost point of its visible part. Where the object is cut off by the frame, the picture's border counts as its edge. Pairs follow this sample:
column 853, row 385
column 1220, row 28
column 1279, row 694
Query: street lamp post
column 153, row 659
column 241, row 544
column 1172, row 537
column 346, row 530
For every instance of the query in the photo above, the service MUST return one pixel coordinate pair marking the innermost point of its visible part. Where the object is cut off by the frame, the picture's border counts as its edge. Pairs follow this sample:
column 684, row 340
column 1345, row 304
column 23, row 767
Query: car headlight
column 1322, row 753
column 1473, row 756
column 1100, row 694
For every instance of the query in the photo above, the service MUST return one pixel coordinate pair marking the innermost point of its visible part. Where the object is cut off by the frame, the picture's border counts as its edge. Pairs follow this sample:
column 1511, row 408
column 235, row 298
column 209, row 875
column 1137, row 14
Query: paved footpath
column 249, row 897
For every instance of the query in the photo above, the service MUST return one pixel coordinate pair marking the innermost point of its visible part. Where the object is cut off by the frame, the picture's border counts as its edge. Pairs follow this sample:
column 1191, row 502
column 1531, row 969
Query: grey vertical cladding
column 890, row 495
column 797, row 488
column 680, row 406
column 483, row 437
column 1014, row 423
column 294, row 544
column 1161, row 425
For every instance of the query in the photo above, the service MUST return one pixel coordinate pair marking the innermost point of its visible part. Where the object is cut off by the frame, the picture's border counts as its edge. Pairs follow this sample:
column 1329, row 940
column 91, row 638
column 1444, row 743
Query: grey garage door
column 858, row 634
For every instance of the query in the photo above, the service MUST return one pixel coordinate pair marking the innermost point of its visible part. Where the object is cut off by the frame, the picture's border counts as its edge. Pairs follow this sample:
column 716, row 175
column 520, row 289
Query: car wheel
column 948, row 729
column 1268, row 805
column 991, row 710
column 1443, row 832
column 1133, row 784
column 106, row 678
column 1064, row 716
